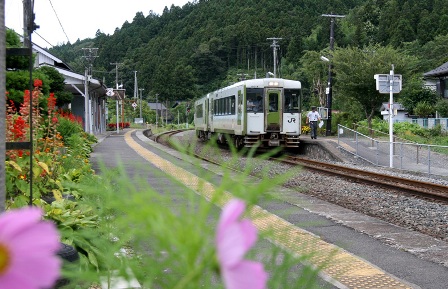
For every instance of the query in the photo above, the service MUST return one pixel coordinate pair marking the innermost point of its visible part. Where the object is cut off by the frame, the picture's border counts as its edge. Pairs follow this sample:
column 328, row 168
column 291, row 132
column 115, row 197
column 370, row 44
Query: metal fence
column 430, row 159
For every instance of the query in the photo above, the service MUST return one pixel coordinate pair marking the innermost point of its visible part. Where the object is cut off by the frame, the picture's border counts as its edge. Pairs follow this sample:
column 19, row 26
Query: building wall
column 428, row 122
column 78, row 107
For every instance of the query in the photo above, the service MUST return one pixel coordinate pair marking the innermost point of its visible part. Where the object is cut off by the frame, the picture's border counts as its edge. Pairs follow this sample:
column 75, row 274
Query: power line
column 59, row 20
column 43, row 39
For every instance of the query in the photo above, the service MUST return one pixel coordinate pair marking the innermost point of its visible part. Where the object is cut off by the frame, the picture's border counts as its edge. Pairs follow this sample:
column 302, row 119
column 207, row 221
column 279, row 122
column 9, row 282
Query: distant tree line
column 188, row 51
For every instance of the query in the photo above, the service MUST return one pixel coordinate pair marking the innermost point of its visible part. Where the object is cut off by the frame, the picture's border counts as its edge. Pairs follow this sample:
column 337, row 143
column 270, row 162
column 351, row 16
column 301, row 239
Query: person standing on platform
column 312, row 118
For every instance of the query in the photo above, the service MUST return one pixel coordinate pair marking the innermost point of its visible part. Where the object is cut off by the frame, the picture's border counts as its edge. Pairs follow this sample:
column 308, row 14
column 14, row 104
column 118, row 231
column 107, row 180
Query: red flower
column 51, row 102
column 37, row 83
column 18, row 128
column 54, row 120
column 25, row 106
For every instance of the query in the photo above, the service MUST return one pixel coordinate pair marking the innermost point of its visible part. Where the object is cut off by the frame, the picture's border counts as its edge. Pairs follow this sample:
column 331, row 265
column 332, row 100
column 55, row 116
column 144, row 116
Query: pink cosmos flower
column 234, row 238
column 28, row 248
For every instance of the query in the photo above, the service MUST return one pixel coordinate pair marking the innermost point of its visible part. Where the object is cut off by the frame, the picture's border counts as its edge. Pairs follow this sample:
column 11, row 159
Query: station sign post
column 389, row 83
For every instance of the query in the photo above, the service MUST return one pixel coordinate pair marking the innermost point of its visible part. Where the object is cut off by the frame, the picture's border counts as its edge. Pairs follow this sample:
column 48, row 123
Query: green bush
column 79, row 145
column 67, row 128
column 406, row 130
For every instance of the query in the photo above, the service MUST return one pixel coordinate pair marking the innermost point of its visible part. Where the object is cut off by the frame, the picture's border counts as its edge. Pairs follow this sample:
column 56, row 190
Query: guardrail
column 424, row 158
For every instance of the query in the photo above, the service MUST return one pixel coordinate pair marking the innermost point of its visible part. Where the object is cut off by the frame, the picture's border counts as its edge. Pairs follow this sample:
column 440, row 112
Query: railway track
column 416, row 188
column 403, row 185
column 165, row 136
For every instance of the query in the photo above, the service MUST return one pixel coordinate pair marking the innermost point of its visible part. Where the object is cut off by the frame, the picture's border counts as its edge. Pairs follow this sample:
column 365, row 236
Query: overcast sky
column 62, row 20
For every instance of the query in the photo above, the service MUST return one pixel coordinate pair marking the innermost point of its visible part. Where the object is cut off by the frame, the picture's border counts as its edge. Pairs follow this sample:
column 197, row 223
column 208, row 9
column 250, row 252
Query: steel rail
column 417, row 188
column 403, row 185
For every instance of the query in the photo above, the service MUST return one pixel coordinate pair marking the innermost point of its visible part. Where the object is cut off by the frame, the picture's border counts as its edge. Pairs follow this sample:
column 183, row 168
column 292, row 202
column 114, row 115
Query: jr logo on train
column 257, row 112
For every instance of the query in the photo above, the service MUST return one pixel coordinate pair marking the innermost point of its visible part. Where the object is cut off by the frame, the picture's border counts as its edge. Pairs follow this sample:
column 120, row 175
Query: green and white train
column 257, row 112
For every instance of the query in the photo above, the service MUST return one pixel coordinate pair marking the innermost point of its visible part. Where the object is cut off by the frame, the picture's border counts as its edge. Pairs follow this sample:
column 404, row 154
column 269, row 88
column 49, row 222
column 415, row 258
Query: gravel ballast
column 427, row 217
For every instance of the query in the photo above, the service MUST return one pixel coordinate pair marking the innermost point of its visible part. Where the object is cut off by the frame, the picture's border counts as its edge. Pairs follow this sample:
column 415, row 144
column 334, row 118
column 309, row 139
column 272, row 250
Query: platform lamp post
column 330, row 77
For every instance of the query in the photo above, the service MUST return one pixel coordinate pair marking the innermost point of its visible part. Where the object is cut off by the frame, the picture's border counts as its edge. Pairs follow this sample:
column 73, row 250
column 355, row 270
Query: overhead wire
column 55, row 13
column 43, row 38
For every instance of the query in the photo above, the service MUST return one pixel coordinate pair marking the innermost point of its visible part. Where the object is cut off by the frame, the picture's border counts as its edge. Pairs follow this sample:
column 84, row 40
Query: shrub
column 67, row 127
column 113, row 126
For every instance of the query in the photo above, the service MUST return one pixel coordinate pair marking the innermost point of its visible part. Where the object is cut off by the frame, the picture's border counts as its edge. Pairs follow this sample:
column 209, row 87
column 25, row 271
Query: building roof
column 155, row 105
column 74, row 82
column 440, row 71
column 397, row 106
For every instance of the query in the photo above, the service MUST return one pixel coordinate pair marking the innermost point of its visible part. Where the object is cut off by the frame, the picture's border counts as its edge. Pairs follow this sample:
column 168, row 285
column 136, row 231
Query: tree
column 316, row 72
column 216, row 38
column 424, row 109
column 15, row 62
column 442, row 107
column 19, row 81
column 207, row 61
column 183, row 77
column 57, row 85
column 354, row 69
column 415, row 92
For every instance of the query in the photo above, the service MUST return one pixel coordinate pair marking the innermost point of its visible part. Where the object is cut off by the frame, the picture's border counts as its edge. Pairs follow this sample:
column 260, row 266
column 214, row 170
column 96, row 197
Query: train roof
column 267, row 82
column 261, row 83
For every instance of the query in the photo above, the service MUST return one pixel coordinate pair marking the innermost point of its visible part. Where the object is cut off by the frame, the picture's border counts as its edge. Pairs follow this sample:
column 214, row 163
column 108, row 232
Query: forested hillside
column 190, row 50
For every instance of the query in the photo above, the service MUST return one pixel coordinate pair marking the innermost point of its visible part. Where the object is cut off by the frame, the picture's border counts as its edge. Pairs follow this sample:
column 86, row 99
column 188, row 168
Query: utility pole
column 28, row 22
column 116, row 72
column 330, row 77
column 157, row 109
column 89, row 54
column 274, row 46
column 135, row 84
column 141, row 100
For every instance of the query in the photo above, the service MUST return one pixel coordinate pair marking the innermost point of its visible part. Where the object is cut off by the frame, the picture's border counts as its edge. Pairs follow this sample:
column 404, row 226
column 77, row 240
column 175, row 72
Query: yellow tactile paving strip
column 343, row 268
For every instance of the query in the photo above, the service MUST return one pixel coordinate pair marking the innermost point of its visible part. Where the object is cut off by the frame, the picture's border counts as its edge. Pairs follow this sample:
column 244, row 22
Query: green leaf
column 44, row 166
column 14, row 165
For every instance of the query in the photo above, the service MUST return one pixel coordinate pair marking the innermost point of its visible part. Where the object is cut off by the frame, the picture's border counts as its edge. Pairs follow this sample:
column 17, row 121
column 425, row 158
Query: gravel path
column 416, row 214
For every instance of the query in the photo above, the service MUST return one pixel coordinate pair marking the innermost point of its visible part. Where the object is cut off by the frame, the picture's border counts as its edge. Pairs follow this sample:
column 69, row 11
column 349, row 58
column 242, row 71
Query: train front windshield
column 292, row 100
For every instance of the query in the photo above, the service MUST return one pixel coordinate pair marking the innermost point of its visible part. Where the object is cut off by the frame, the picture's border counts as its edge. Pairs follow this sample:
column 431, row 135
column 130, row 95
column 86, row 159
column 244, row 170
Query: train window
column 225, row 106
column 273, row 102
column 254, row 98
column 292, row 100
column 199, row 111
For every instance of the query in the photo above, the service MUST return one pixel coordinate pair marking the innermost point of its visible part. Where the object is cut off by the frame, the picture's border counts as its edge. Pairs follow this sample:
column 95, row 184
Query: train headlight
column 273, row 83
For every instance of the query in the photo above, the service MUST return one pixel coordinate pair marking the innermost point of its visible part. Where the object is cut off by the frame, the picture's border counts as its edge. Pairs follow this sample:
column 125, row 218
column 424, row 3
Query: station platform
column 301, row 224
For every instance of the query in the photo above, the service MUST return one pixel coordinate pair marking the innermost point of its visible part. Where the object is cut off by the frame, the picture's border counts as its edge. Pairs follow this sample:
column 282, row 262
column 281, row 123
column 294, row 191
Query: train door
column 207, row 114
column 291, row 112
column 211, row 103
column 254, row 111
column 273, row 109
